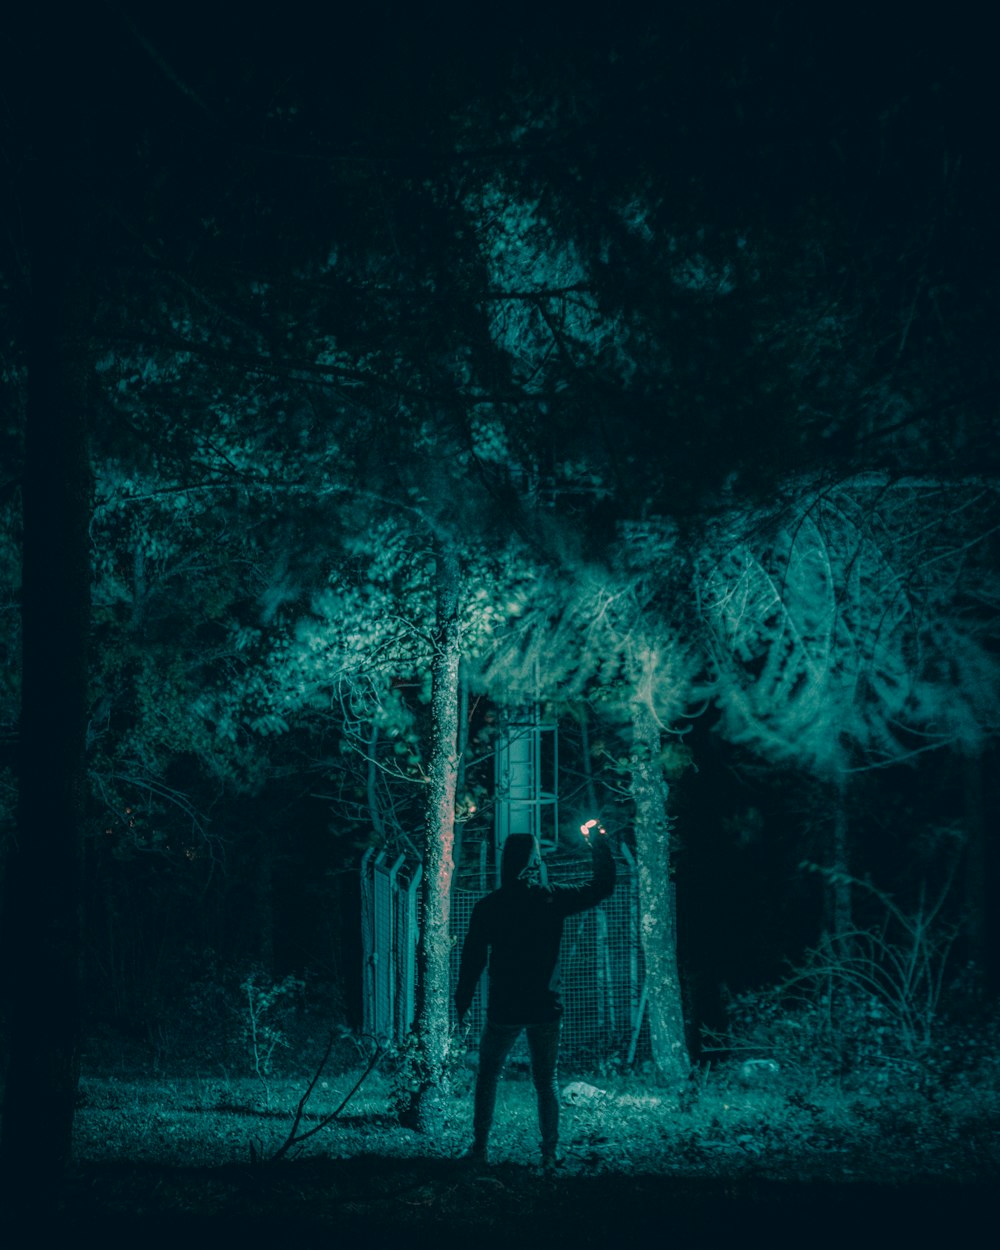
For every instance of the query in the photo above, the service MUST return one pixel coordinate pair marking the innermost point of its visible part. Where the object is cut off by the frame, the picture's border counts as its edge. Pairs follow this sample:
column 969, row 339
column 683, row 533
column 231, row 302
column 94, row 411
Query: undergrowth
column 799, row 1124
column 824, row 1074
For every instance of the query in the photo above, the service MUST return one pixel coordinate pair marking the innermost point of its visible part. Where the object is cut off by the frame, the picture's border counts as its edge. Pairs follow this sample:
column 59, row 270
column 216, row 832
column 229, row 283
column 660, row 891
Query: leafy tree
column 854, row 627
column 342, row 327
column 613, row 638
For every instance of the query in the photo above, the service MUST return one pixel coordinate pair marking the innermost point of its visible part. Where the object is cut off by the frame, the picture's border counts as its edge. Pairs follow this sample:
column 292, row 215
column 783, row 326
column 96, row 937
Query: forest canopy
column 378, row 378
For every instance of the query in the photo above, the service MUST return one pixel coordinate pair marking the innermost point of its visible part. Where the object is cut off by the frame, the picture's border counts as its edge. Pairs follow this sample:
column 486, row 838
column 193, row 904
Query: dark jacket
column 519, row 927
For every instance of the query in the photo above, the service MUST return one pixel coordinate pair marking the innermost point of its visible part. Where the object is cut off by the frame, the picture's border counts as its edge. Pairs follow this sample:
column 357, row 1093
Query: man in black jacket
column 519, row 929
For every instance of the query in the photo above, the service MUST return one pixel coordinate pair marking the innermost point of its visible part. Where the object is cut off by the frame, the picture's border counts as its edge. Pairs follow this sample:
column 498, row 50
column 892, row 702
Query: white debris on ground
column 580, row 1094
column 758, row 1073
column 638, row 1100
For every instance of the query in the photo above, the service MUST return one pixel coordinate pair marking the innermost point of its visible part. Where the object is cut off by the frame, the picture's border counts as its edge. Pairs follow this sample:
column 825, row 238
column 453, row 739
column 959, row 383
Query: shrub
column 267, row 1008
column 867, row 999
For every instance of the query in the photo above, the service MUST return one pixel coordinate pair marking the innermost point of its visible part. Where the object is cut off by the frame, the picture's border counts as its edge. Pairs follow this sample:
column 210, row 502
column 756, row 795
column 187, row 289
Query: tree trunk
column 839, row 887
column 976, row 901
column 44, row 885
column 265, row 900
column 434, row 950
column 374, row 808
column 462, row 747
column 657, row 920
column 586, row 763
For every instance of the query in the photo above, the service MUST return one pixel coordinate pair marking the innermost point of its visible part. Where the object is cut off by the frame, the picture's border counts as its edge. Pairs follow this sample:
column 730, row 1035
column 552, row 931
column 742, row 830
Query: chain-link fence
column 389, row 919
column 602, row 966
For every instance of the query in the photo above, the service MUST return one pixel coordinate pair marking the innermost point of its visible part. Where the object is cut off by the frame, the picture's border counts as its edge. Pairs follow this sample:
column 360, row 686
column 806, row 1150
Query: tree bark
column 975, row 910
column 839, row 886
column 44, row 886
column 434, row 949
column 374, row 810
column 265, row 900
column 657, row 919
column 462, row 743
column 587, row 763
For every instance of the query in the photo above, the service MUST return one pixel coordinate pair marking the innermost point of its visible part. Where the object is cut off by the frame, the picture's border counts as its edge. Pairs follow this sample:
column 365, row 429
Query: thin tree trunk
column 434, row 950
column 265, row 899
column 44, row 878
column 657, row 921
column 974, row 911
column 839, row 903
column 374, row 809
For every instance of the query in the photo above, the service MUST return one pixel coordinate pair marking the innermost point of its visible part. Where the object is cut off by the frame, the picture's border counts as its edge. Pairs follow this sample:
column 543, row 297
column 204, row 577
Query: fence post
column 368, row 954
column 406, row 951
column 390, row 930
column 602, row 960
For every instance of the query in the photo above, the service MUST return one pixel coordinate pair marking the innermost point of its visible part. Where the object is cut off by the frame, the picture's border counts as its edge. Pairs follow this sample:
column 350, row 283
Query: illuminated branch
column 295, row 1138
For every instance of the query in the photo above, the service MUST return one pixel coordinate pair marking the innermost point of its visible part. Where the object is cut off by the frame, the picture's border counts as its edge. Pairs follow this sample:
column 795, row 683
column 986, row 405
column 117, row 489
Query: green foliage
column 235, row 1020
column 408, row 1072
column 267, row 1008
column 935, row 1119
column 899, row 965
column 865, row 1005
column 840, row 625
column 815, row 1036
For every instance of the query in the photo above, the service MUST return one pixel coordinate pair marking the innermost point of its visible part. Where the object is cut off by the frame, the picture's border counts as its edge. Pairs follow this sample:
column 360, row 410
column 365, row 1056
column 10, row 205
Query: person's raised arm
column 574, row 898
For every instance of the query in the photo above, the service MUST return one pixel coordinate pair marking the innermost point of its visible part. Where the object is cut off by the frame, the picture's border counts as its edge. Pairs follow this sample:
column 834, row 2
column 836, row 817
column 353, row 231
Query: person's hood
column 521, row 860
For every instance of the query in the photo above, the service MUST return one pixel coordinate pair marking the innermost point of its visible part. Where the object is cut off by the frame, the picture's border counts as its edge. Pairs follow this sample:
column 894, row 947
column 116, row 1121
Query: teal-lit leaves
column 541, row 309
column 839, row 629
column 268, row 723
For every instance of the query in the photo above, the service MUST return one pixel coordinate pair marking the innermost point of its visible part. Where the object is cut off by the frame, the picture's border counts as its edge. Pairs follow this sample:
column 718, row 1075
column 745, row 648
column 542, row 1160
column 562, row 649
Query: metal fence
column 602, row 965
column 389, row 918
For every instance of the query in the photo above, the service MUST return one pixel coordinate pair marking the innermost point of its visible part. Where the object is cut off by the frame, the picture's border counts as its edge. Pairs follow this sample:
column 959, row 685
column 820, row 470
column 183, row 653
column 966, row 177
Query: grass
column 790, row 1130
column 167, row 1159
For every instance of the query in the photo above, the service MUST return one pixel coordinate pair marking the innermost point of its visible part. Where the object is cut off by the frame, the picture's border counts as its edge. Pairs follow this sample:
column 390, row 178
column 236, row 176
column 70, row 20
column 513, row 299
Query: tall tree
column 853, row 627
column 43, row 901
column 657, row 911
column 433, row 1023
column 613, row 635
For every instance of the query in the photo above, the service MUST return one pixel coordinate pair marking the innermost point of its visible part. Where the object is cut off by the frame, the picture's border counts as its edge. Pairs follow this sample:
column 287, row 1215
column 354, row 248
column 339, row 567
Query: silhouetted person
column 519, row 929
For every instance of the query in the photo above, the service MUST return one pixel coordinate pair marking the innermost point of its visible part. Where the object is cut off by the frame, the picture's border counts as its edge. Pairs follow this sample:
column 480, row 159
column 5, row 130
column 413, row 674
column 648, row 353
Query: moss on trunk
column 657, row 922
column 434, row 950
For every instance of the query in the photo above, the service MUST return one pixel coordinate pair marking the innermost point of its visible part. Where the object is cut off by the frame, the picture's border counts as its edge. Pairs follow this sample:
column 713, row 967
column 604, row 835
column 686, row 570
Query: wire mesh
column 600, row 964
column 601, row 960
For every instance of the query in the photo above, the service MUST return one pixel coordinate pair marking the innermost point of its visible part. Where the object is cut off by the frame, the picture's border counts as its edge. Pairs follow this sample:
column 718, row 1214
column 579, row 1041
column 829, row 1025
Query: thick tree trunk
column 657, row 921
column 434, row 950
column 44, row 877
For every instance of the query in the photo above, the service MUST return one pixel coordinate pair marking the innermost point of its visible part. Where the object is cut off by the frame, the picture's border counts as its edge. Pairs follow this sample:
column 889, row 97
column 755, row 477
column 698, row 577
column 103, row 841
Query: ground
column 173, row 1161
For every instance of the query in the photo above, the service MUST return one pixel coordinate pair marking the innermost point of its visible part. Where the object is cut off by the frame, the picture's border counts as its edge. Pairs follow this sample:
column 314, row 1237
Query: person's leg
column 494, row 1047
column 543, row 1042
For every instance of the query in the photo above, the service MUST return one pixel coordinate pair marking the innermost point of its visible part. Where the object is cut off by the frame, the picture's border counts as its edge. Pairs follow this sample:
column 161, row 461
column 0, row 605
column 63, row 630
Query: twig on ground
column 295, row 1138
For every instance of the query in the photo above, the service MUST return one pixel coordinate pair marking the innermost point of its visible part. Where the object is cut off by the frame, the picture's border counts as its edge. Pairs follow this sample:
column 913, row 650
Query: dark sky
column 804, row 66
column 828, row 93
column 769, row 107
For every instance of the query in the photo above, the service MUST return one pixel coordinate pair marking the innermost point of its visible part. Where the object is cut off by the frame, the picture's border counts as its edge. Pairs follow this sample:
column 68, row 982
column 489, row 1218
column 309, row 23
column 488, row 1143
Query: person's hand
column 588, row 828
